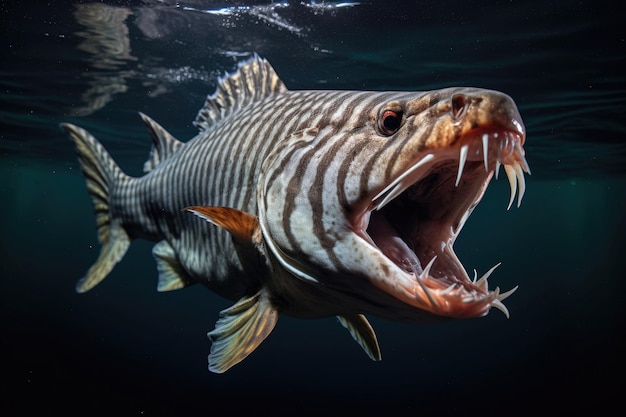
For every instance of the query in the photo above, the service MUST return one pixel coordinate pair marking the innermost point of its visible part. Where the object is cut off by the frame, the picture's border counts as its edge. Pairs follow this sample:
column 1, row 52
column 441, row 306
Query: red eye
column 390, row 121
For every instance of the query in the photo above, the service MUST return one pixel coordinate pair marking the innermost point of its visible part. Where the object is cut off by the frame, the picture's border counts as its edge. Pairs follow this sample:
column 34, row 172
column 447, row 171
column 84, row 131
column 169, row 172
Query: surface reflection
column 105, row 39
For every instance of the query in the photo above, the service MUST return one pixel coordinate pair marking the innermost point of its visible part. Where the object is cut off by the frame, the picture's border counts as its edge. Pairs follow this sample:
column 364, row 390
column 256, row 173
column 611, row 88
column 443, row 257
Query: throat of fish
column 388, row 240
column 415, row 220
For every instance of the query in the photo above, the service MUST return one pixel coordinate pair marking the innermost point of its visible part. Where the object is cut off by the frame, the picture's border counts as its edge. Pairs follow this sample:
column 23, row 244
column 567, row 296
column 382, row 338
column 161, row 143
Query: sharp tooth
column 498, row 165
column 525, row 166
column 468, row 299
column 447, row 290
column 475, row 276
column 420, row 280
column 462, row 159
column 427, row 269
column 512, row 176
column 397, row 190
column 521, row 183
column 433, row 301
column 398, row 186
column 486, row 151
column 498, row 304
column 522, row 161
column 505, row 295
column 483, row 280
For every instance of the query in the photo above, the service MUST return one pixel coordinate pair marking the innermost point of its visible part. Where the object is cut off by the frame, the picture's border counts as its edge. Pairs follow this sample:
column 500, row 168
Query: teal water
column 125, row 349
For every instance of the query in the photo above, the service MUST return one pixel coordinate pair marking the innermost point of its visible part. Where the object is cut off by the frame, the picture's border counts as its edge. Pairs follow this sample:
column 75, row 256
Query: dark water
column 124, row 349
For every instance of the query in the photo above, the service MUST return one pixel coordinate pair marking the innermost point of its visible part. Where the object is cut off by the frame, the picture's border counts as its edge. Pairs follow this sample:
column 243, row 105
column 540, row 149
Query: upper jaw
column 415, row 218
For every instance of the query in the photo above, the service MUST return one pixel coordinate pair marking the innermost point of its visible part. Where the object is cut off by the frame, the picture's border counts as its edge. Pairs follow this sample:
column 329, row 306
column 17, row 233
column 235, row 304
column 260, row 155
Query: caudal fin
column 101, row 174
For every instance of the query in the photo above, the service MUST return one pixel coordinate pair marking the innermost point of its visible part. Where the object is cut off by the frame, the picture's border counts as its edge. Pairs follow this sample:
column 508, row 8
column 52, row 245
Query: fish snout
column 480, row 109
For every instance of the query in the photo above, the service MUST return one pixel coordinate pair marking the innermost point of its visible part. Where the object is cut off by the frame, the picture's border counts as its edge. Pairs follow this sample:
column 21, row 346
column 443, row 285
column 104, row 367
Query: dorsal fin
column 253, row 80
column 163, row 143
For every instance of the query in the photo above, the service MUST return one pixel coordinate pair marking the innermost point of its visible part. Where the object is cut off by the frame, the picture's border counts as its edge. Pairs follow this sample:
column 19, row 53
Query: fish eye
column 390, row 121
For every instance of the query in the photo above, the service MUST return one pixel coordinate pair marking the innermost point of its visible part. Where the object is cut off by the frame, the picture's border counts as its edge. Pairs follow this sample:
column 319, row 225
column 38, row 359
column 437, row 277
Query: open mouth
column 415, row 220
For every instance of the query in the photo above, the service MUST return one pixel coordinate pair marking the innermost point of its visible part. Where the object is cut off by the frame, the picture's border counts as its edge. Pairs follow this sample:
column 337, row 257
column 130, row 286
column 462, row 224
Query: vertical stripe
column 222, row 167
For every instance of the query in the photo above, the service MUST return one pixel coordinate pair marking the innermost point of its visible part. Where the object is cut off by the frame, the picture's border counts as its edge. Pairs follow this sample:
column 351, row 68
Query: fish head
column 369, row 203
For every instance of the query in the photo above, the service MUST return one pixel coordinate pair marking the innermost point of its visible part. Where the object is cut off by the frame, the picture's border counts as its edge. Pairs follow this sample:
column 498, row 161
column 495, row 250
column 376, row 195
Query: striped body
column 327, row 203
column 222, row 167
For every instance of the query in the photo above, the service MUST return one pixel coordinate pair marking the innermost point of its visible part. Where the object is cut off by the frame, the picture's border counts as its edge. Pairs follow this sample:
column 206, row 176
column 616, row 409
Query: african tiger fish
column 312, row 204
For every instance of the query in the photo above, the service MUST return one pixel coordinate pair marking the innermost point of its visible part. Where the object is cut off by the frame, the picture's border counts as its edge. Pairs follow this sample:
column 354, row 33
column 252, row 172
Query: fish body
column 312, row 203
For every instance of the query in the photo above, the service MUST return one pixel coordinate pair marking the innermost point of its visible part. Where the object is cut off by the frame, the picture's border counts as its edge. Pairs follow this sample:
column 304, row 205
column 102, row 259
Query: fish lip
column 439, row 282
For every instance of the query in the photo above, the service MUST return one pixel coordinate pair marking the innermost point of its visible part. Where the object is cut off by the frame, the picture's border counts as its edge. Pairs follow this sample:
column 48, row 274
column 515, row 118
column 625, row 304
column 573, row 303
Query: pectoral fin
column 239, row 330
column 172, row 275
column 363, row 333
column 242, row 226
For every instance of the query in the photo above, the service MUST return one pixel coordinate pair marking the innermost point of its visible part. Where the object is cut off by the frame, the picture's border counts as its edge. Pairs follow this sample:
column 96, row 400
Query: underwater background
column 125, row 349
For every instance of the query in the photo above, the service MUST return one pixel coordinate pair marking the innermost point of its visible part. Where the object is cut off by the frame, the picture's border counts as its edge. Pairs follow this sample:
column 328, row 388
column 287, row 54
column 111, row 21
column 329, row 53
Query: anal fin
column 363, row 333
column 240, row 330
column 172, row 276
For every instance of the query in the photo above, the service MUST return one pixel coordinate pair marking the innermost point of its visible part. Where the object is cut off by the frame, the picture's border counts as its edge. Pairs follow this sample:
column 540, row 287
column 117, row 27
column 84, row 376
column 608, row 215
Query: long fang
column 398, row 185
column 462, row 159
column 500, row 306
column 498, row 165
column 523, row 161
column 486, row 151
column 511, row 174
column 504, row 295
column 483, row 279
column 521, row 183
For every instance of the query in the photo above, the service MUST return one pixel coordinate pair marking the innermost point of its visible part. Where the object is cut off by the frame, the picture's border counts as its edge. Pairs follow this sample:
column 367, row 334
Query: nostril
column 459, row 105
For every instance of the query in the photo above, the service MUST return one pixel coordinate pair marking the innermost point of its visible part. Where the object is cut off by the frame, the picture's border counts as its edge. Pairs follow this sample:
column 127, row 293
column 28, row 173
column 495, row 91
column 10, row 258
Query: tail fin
column 101, row 173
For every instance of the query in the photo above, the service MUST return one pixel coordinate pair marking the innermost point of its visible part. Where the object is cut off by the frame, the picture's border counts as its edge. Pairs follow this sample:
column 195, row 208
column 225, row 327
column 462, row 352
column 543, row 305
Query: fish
column 312, row 203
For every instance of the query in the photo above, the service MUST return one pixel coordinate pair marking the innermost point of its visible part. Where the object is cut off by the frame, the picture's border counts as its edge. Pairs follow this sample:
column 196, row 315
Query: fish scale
column 212, row 160
column 285, row 186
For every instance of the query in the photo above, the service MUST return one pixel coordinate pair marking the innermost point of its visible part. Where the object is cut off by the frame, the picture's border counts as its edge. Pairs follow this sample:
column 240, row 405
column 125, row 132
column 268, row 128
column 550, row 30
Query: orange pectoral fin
column 243, row 226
